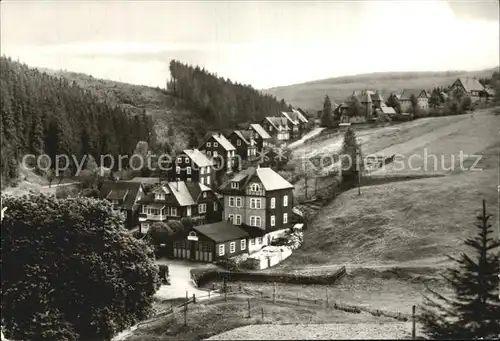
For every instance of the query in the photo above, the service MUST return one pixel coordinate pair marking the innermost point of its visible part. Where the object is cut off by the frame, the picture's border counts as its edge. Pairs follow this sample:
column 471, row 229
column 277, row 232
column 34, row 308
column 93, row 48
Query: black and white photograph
column 250, row 170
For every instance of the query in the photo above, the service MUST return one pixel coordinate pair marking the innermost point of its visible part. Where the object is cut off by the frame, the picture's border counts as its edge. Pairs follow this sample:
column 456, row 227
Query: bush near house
column 71, row 271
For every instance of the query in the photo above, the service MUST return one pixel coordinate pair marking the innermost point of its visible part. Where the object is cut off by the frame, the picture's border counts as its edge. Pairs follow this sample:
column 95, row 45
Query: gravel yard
column 331, row 331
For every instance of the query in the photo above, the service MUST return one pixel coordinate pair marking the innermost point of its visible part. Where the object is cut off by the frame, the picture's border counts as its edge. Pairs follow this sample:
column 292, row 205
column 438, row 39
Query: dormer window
column 204, row 194
column 160, row 196
column 235, row 185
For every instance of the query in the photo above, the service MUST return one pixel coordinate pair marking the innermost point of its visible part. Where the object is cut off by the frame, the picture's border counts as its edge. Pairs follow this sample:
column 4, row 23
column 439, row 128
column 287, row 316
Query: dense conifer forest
column 219, row 101
column 42, row 114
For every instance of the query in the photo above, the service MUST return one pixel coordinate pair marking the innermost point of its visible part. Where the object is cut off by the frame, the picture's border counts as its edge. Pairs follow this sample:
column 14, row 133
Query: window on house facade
column 173, row 211
column 188, row 170
column 221, row 250
column 216, row 144
column 273, row 220
column 215, row 153
column 255, row 203
column 231, row 201
column 273, row 202
column 188, row 211
column 238, row 219
column 238, row 142
column 285, row 218
column 215, row 206
column 186, row 160
column 209, row 153
column 202, row 208
column 231, row 217
column 260, row 240
column 285, row 200
column 232, row 247
column 209, row 144
column 204, row 194
column 252, row 241
column 238, row 202
column 243, row 244
column 208, row 180
column 160, row 196
column 255, row 187
column 255, row 221
column 235, row 185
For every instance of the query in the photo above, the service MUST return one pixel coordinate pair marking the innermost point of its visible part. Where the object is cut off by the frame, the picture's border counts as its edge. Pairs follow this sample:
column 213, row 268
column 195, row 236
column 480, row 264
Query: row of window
column 172, row 211
column 256, row 220
column 232, row 247
column 255, row 203
column 161, row 196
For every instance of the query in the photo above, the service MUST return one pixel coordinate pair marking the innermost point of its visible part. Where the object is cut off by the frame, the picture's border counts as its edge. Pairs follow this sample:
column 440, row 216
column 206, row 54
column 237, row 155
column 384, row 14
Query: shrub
column 71, row 269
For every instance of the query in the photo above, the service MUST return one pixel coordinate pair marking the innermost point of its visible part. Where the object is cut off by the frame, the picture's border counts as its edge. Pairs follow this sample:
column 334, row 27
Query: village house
column 176, row 200
column 210, row 242
column 260, row 136
column 191, row 165
column 297, row 122
column 260, row 201
column 278, row 128
column 246, row 146
column 222, row 152
column 470, row 87
column 124, row 197
column 421, row 95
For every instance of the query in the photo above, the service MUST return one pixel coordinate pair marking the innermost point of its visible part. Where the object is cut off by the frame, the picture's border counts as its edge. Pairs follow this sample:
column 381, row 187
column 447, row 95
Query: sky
column 262, row 43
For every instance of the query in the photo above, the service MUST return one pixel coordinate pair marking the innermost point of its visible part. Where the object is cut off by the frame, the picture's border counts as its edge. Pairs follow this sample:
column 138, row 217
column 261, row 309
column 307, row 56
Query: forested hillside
column 219, row 101
column 46, row 114
column 194, row 103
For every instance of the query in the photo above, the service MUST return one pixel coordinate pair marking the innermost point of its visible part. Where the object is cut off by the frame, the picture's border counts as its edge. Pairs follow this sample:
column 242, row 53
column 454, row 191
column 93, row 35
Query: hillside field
column 310, row 95
column 394, row 237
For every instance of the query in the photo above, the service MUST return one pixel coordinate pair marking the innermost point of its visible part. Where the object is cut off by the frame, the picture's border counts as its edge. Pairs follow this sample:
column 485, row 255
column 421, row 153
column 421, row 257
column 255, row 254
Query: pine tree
column 351, row 157
column 474, row 311
column 327, row 115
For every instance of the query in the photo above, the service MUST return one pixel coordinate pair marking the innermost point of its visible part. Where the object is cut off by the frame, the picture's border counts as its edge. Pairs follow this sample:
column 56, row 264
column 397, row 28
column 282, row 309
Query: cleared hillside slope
column 411, row 220
column 310, row 95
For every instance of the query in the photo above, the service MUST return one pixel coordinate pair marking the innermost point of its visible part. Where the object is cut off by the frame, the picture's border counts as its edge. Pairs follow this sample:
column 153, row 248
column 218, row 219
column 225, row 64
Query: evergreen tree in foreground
column 351, row 158
column 327, row 115
column 474, row 311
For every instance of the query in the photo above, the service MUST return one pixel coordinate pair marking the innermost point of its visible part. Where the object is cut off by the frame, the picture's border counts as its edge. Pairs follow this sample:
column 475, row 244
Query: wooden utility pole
column 413, row 323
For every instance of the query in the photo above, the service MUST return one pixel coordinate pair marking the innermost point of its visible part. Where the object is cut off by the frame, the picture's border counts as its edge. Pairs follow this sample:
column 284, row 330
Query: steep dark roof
column 244, row 135
column 128, row 191
column 253, row 231
column 406, row 94
column 221, row 231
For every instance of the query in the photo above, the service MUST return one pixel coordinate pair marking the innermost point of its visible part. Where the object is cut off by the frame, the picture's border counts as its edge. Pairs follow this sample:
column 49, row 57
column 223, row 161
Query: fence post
column 194, row 298
column 249, row 308
column 186, row 309
column 413, row 333
column 262, row 309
